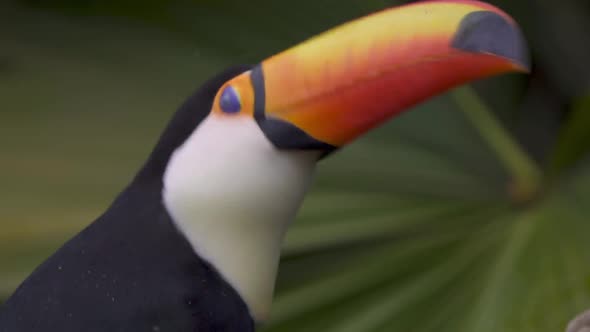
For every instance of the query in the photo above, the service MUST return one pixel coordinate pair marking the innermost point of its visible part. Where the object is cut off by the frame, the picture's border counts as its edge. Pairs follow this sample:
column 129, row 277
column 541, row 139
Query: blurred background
column 469, row 213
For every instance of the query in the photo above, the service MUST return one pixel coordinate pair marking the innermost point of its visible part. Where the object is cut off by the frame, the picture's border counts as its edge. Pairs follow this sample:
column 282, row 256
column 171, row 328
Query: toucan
column 193, row 242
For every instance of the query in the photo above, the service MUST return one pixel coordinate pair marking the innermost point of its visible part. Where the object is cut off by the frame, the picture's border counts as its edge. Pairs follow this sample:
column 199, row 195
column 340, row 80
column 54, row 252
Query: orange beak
column 327, row 91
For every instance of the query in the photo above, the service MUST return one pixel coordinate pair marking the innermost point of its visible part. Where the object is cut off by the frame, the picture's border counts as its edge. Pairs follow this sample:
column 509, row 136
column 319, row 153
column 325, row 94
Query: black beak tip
column 488, row 32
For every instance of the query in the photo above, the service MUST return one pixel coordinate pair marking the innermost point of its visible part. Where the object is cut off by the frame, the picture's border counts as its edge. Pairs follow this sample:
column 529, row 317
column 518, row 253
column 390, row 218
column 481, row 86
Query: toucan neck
column 245, row 252
column 233, row 196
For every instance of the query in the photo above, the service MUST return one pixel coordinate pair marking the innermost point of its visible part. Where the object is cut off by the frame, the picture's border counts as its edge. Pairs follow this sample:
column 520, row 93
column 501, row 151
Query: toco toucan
column 193, row 242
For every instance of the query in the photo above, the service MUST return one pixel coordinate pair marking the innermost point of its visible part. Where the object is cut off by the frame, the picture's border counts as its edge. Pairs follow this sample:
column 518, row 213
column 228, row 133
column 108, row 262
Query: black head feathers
column 185, row 120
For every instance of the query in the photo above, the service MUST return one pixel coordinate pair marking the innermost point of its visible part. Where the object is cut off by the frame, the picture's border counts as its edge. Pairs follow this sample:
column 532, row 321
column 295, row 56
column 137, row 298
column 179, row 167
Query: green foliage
column 574, row 141
column 442, row 220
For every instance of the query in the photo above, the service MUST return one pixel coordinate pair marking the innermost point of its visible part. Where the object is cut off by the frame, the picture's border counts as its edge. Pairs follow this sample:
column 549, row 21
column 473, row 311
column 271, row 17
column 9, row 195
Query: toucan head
column 251, row 136
column 328, row 91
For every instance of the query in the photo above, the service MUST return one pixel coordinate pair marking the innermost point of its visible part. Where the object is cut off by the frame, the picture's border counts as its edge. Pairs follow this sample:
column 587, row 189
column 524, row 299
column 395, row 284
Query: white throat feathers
column 233, row 195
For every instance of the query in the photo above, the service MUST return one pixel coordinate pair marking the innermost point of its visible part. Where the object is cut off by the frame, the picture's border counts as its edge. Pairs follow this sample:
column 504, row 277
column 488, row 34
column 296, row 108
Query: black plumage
column 132, row 270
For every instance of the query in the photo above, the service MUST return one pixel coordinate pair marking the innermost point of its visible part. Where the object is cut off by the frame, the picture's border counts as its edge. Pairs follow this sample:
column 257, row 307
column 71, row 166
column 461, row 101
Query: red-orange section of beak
column 340, row 84
column 348, row 80
column 365, row 97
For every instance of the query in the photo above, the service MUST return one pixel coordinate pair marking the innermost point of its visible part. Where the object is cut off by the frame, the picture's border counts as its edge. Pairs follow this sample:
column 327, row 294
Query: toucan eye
column 230, row 100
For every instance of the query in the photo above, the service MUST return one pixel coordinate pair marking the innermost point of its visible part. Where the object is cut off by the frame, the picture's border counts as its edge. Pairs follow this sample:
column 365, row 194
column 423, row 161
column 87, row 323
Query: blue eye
column 230, row 100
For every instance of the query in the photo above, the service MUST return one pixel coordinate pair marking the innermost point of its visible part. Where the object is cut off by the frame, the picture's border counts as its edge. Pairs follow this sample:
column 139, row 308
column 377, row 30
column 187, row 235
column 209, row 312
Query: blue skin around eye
column 230, row 101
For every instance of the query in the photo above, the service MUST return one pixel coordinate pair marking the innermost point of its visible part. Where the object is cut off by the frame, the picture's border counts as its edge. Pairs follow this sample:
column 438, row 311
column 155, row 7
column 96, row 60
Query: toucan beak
column 327, row 91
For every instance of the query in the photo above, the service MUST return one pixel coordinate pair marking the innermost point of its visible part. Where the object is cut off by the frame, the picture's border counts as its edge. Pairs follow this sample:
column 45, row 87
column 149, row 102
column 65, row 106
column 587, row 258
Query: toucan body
column 193, row 243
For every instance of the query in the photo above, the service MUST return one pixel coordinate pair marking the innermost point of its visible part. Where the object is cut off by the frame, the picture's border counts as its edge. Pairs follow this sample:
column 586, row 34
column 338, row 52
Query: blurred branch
column 524, row 171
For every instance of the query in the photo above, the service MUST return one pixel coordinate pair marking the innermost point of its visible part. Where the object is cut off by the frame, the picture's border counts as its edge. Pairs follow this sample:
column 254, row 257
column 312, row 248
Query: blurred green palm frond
column 468, row 213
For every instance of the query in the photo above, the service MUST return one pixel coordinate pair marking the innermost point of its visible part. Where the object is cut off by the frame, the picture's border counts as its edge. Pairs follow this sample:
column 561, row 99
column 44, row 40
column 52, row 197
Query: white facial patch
column 233, row 195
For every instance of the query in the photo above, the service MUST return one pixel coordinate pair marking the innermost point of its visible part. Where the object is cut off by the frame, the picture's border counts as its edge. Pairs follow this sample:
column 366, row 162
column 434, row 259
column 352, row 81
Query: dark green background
column 469, row 213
